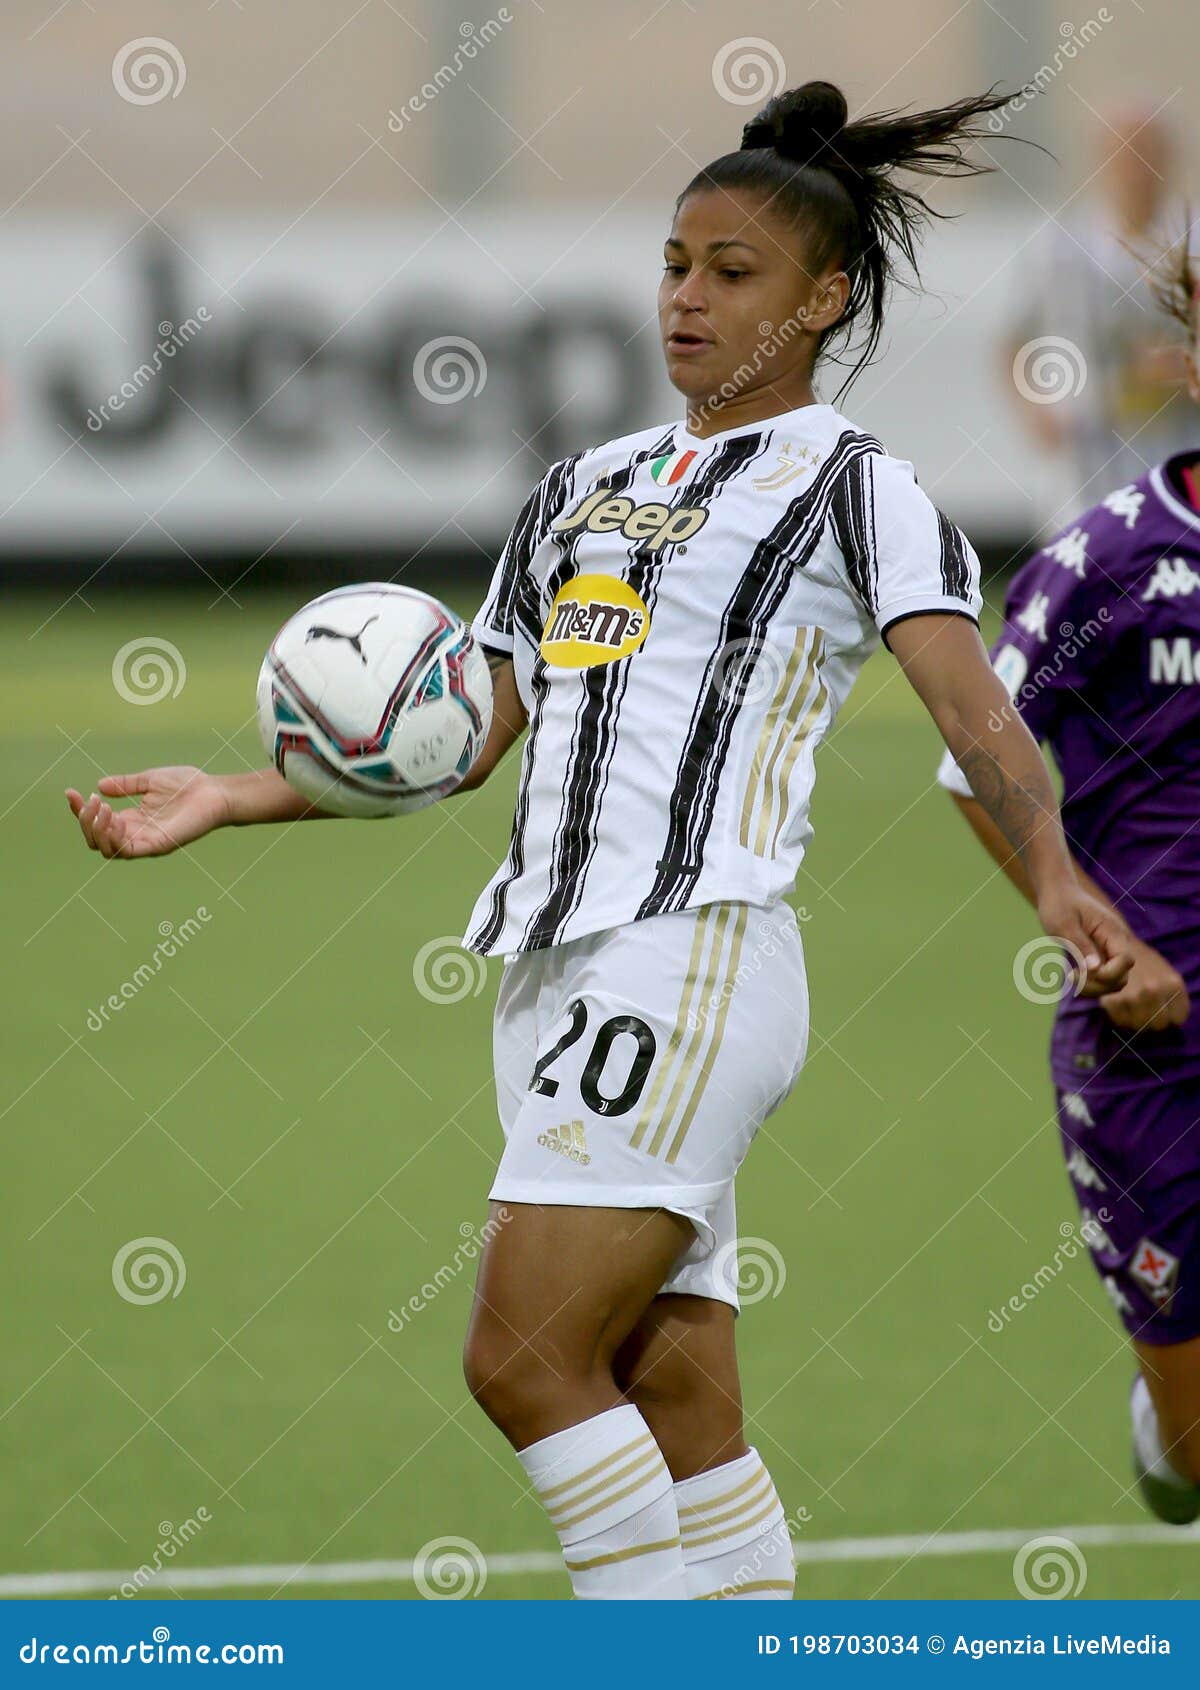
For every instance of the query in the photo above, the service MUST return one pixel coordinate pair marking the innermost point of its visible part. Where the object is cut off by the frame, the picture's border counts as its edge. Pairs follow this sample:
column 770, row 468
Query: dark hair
column 1175, row 280
column 835, row 180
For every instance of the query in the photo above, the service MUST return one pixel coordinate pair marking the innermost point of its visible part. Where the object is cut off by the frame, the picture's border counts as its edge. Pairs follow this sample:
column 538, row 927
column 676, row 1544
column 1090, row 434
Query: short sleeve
column 511, row 593
column 1055, row 630
column 494, row 624
column 903, row 556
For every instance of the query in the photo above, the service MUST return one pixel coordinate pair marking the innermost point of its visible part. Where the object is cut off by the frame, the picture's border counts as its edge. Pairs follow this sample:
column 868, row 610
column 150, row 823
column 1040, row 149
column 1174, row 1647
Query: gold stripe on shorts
column 728, row 987
column 667, row 1057
column 722, row 914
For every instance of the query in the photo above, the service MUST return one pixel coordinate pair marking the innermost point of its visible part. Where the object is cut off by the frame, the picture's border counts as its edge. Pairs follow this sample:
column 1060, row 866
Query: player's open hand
column 1099, row 945
column 1153, row 997
column 178, row 804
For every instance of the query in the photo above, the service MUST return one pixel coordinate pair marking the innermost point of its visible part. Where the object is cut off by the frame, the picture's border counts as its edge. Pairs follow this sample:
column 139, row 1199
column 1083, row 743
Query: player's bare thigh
column 559, row 1290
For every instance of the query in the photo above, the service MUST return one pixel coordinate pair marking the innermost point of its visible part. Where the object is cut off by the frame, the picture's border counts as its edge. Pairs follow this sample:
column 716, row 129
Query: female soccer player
column 677, row 617
column 1101, row 649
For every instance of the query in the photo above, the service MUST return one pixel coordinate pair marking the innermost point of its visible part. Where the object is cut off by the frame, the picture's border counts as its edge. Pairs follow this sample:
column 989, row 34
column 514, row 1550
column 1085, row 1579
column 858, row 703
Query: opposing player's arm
column 947, row 665
column 1154, row 995
column 509, row 720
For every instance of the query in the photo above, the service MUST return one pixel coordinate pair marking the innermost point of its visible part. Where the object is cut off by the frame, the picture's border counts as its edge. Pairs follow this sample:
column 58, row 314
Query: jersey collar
column 685, row 441
column 1171, row 499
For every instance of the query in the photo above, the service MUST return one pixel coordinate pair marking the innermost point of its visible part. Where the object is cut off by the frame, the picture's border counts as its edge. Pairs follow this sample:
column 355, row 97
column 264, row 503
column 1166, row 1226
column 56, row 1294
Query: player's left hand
column 1099, row 945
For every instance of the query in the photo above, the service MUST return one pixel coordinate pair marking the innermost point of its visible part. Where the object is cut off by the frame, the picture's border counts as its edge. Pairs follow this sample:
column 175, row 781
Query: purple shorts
column 1133, row 1154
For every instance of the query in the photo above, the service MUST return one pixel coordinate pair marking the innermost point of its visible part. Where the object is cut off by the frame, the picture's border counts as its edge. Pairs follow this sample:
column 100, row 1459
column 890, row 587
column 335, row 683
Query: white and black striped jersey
column 686, row 617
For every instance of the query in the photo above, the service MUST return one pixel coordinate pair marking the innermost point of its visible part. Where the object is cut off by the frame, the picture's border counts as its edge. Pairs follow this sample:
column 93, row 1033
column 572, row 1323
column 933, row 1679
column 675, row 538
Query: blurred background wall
column 321, row 285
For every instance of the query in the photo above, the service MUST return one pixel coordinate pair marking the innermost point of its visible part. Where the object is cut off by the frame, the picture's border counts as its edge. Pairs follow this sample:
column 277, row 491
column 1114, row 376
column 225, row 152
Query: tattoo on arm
column 1019, row 809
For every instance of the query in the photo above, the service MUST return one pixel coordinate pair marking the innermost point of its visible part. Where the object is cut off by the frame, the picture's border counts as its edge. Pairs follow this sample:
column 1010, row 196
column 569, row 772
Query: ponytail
column 835, row 180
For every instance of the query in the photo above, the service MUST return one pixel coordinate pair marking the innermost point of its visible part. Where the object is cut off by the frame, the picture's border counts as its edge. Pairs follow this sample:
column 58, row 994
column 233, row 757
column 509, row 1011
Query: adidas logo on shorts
column 568, row 1140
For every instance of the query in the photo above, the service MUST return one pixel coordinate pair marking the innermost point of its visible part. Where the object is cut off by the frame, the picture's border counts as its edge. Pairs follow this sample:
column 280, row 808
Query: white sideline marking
column 914, row 1545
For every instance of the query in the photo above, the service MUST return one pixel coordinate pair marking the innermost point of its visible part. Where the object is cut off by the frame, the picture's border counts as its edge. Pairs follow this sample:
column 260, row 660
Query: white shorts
column 634, row 1067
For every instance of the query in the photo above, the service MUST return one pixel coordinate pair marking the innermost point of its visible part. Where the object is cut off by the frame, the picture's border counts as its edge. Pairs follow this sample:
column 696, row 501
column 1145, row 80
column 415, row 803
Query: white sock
column 735, row 1538
column 609, row 1496
column 1147, row 1440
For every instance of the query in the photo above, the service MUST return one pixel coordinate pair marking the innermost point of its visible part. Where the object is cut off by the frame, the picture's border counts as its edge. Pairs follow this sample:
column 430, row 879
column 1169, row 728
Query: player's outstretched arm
column 947, row 664
column 509, row 721
column 178, row 804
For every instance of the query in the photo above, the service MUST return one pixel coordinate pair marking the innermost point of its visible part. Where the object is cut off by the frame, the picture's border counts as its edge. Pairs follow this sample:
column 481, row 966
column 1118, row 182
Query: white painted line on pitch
column 913, row 1546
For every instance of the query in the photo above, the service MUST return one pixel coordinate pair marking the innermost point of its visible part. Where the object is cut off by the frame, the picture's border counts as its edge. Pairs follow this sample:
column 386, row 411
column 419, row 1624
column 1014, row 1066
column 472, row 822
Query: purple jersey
column 1101, row 651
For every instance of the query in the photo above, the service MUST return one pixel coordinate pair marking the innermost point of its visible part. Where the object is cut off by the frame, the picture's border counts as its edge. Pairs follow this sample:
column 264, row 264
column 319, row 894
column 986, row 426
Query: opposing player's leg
column 559, row 1290
column 1166, row 1429
column 1130, row 1147
column 679, row 1366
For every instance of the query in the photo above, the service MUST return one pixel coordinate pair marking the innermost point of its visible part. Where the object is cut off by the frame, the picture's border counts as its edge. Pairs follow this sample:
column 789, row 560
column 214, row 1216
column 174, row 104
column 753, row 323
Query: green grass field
column 316, row 1139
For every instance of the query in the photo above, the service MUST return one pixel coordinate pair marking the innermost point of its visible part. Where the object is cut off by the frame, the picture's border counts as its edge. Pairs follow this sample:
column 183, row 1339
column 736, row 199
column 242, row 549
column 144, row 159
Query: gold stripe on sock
column 621, row 1555
column 641, row 1458
column 719, row 1537
column 730, row 1518
column 724, row 1497
column 724, row 1593
column 560, row 1524
column 643, row 1439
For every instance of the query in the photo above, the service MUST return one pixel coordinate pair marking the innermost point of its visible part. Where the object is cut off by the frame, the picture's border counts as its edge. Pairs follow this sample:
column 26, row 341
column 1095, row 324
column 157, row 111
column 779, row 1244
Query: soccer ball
column 374, row 700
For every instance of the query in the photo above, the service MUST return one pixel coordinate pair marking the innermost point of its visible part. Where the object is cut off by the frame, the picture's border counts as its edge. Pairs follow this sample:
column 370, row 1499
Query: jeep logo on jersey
column 594, row 619
column 606, row 512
